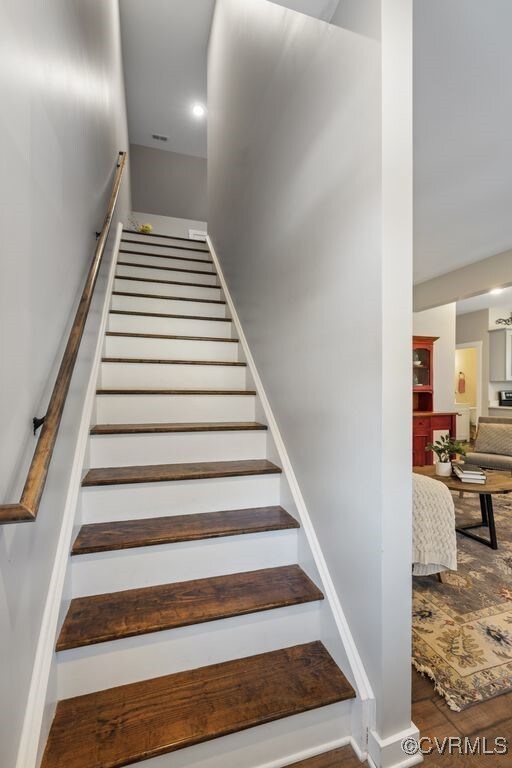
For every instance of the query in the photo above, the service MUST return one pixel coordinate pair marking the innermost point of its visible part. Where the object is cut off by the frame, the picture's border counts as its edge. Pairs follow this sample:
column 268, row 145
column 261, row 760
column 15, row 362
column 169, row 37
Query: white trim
column 388, row 752
column 478, row 345
column 305, row 754
column 362, row 683
column 36, row 701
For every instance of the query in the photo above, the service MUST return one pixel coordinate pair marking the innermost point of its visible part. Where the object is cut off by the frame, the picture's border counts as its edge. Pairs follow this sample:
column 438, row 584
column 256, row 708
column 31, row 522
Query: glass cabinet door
column 421, row 368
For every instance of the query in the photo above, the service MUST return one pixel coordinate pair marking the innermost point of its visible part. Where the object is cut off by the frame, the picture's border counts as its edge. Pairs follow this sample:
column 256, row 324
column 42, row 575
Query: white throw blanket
column 434, row 537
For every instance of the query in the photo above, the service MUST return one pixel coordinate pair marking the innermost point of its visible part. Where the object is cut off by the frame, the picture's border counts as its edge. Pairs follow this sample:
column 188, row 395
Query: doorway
column 468, row 388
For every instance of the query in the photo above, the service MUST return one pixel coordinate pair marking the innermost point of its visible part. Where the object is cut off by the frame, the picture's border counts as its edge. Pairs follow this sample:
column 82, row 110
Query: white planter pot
column 443, row 468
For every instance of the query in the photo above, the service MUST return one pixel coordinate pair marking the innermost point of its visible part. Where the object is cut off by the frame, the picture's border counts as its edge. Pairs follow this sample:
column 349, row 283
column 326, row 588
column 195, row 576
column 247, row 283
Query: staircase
column 191, row 620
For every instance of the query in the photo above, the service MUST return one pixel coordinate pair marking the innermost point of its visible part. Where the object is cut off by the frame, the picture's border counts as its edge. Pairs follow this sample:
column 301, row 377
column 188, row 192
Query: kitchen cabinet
column 500, row 354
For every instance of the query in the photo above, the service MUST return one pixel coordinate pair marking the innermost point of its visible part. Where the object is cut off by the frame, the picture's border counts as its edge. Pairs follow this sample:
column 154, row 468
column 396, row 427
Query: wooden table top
column 497, row 482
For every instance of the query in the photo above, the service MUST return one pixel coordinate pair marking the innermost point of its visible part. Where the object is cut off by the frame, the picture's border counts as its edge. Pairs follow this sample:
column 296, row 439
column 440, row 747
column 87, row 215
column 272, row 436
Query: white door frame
column 478, row 345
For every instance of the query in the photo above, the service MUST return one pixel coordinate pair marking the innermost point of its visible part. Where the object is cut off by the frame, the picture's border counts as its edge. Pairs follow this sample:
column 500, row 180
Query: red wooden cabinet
column 425, row 421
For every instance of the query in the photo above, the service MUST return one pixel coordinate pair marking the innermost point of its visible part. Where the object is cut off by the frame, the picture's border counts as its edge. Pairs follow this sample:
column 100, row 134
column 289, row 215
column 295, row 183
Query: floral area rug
column 462, row 628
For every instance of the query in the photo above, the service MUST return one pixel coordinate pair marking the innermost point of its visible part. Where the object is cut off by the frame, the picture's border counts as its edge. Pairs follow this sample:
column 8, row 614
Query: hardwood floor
column 434, row 718
column 338, row 758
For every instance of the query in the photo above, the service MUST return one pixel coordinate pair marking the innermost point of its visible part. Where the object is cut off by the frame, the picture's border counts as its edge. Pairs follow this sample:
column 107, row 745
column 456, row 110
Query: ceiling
column 462, row 111
column 485, row 301
column 164, row 56
column 165, row 44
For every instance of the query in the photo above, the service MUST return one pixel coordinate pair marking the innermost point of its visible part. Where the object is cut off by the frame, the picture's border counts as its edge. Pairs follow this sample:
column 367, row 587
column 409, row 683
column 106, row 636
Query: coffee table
column 497, row 482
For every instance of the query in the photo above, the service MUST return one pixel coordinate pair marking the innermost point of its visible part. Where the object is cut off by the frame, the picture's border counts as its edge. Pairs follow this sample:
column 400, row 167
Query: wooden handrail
column 28, row 506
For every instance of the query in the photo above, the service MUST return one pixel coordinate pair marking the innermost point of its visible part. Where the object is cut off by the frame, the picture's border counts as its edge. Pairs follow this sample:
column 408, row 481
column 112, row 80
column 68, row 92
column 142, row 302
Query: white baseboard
column 388, row 753
column 306, row 754
column 34, row 733
column 362, row 683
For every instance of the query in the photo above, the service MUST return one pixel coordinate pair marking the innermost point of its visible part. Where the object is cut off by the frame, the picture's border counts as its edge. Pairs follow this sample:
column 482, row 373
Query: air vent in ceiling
column 159, row 137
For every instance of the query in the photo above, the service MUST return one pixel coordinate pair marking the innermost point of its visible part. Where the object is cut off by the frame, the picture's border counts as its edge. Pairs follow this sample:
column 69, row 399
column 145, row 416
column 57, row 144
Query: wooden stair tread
column 165, row 361
column 167, row 282
column 344, row 757
column 164, row 237
column 178, row 247
column 159, row 473
column 166, row 269
column 179, row 257
column 169, row 298
column 127, row 334
column 163, row 314
column 123, row 725
column 175, row 392
column 111, row 616
column 128, row 534
column 193, row 426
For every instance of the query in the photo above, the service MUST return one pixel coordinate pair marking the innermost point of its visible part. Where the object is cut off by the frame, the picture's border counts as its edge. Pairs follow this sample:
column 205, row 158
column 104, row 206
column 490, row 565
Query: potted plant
column 445, row 448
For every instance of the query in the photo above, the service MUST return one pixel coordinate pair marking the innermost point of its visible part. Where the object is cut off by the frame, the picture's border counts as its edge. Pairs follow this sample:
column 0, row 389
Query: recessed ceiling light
column 495, row 291
column 198, row 110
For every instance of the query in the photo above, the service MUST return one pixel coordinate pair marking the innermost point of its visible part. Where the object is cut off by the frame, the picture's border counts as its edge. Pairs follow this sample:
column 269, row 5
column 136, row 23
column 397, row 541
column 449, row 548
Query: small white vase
column 443, row 468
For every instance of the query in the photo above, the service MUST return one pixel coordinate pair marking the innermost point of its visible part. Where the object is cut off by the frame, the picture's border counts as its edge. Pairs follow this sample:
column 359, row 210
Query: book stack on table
column 469, row 473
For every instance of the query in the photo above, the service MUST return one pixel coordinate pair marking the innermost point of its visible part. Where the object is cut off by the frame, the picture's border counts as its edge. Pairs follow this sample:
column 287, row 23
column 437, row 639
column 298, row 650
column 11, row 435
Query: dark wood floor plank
column 487, row 719
column 158, row 473
column 344, row 757
column 99, row 618
column 164, row 361
column 214, row 392
column 127, row 534
column 119, row 726
column 194, row 426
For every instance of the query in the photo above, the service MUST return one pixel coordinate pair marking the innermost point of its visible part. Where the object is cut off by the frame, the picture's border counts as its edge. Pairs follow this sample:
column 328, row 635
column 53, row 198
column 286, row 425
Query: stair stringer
column 336, row 636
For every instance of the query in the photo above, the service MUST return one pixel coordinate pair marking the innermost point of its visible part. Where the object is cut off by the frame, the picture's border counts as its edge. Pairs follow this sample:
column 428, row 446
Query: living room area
column 462, row 574
column 461, row 385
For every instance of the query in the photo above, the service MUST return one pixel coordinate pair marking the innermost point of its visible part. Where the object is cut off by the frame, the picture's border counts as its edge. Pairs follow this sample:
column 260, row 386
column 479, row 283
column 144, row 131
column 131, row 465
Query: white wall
column 168, row 183
column 168, row 225
column 309, row 174
column 440, row 322
column 62, row 123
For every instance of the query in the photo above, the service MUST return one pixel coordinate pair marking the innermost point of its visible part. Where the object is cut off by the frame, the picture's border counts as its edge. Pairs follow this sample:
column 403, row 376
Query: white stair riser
column 104, row 572
column 170, row 249
column 165, row 289
column 137, row 409
column 168, row 376
column 273, row 745
column 119, row 662
column 165, row 306
column 166, row 274
column 169, row 448
column 158, row 261
column 170, row 349
column 175, row 326
column 139, row 500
